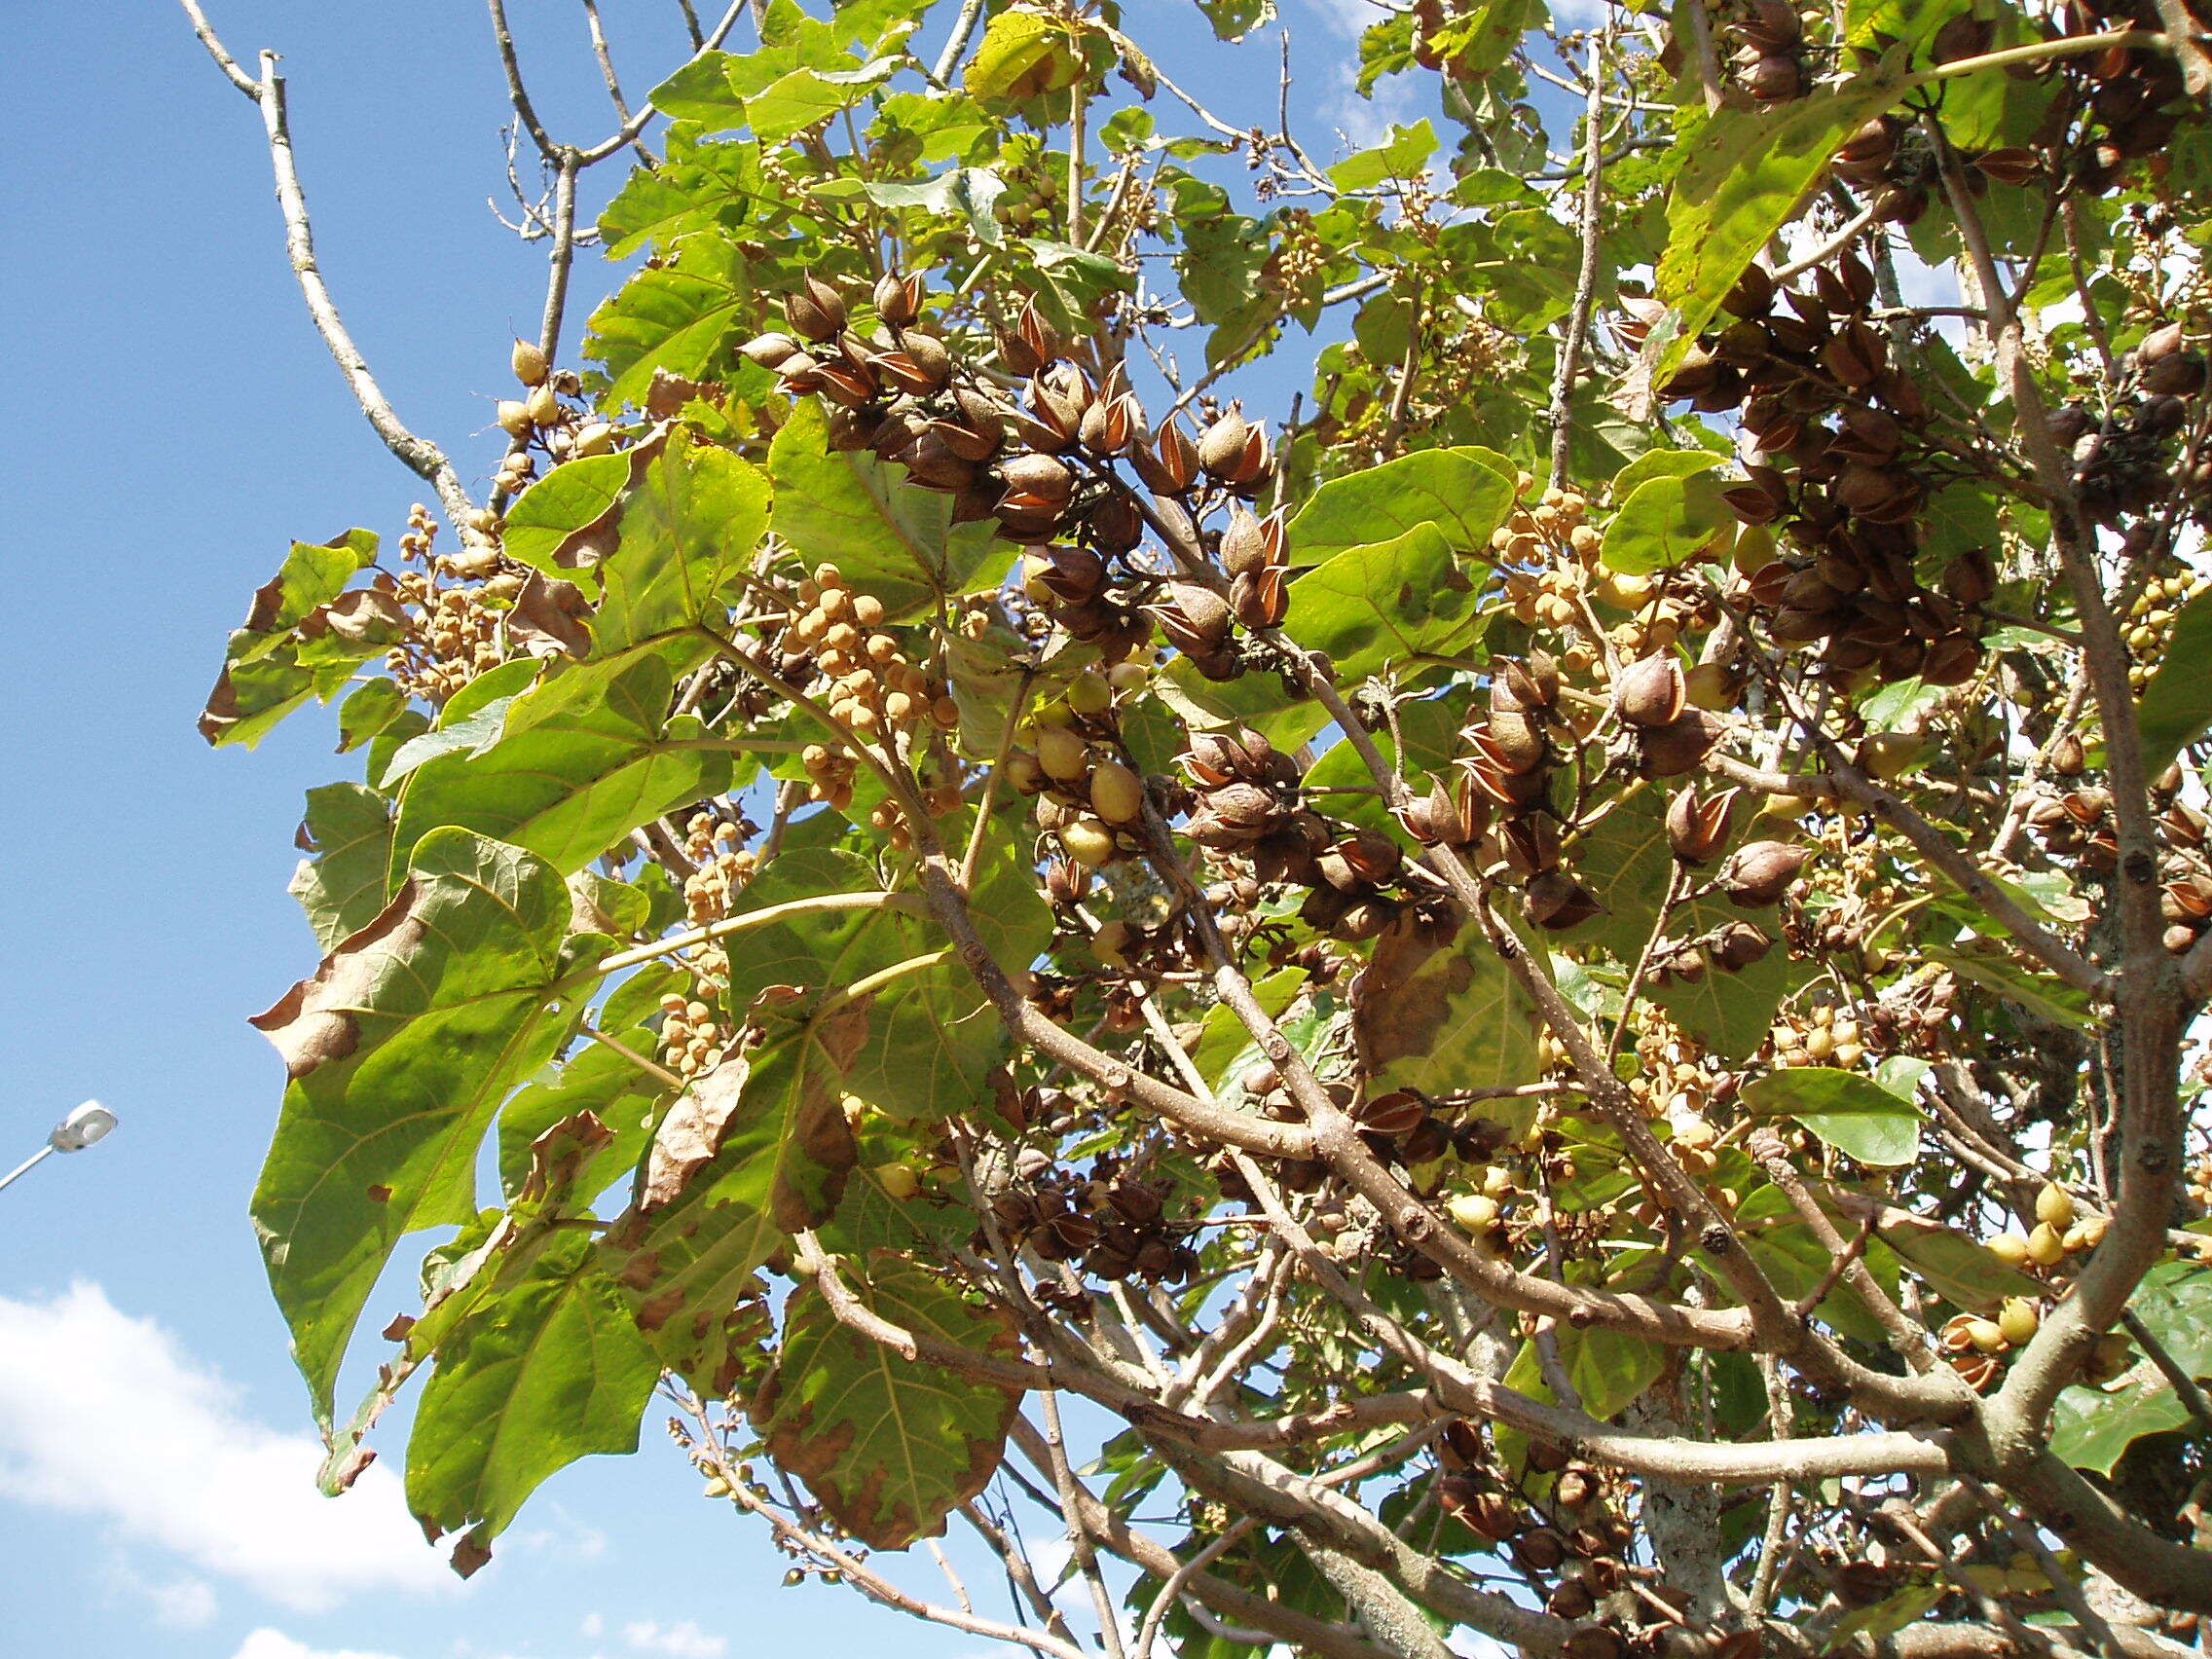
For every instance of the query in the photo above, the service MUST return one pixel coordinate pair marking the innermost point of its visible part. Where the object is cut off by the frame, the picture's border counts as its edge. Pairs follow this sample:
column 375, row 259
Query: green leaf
column 1661, row 464
column 581, row 762
column 700, row 187
column 1405, row 156
column 1730, row 1014
column 1022, row 54
column 795, row 101
column 690, row 524
column 890, row 539
column 890, row 1446
column 1479, row 40
column 678, row 316
column 2041, row 994
column 302, row 637
column 2174, row 1302
column 1953, row 1264
column 548, row 1370
column 399, row 1051
column 2176, row 708
column 374, row 706
column 1744, row 172
column 1607, row 1368
column 1233, row 19
column 2092, row 1430
column 1665, row 520
column 1466, row 494
column 1848, row 1111
column 1388, row 604
column 756, row 1150
column 595, row 1079
column 344, row 884
column 969, row 191
column 1444, row 1021
column 1626, row 861
column 560, row 524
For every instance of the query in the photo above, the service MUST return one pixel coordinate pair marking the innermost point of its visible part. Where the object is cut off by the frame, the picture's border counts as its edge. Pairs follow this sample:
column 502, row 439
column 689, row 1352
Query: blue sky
column 181, row 424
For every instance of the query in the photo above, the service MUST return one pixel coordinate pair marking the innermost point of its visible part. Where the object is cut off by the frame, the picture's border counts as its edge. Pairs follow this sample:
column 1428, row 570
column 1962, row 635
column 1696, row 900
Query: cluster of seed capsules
column 1112, row 1225
column 1041, row 464
column 2080, row 824
column 1559, row 1521
column 1848, row 496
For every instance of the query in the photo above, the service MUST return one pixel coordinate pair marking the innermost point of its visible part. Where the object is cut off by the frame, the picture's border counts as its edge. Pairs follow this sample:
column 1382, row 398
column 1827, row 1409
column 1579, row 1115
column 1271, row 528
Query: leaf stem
column 761, row 918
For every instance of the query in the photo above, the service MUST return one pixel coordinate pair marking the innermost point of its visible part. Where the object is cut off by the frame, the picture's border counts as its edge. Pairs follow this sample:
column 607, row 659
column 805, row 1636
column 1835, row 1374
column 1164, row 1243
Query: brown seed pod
column 817, row 310
column 1395, row 1114
column 1681, row 746
column 1735, row 946
column 1196, row 620
column 1761, row 872
column 1651, row 692
column 1697, row 830
column 898, row 301
column 1556, row 901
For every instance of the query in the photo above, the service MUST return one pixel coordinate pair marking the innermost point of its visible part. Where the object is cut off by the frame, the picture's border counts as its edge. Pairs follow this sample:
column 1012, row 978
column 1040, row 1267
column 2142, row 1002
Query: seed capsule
column 2054, row 1206
column 529, row 363
column 1117, row 793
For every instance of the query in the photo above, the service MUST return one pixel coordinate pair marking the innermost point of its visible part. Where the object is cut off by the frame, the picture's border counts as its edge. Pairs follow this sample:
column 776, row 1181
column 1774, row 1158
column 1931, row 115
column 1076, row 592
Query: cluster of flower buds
column 721, row 866
column 1825, row 1036
column 873, row 691
column 1114, row 1225
column 692, row 1041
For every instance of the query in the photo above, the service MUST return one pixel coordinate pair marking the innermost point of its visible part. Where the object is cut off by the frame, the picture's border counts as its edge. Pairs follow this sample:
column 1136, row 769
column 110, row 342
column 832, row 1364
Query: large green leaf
column 1665, row 520
column 1849, row 1110
column 345, row 882
column 1464, row 493
column 794, row 103
column 1743, row 175
column 2176, row 708
column 700, row 187
column 581, row 760
column 548, row 1369
column 1444, row 1021
column 689, row 524
column 1607, row 1368
column 399, row 1051
column 2091, row 1428
column 1023, row 53
column 595, row 1079
column 676, row 316
column 302, row 637
column 1392, row 604
column 756, row 1150
column 889, row 538
column 1730, row 1014
column 1624, row 858
column 890, row 1446
column 557, row 517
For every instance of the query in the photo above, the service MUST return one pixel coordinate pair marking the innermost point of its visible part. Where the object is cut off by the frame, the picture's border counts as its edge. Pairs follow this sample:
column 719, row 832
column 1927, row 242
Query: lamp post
column 88, row 1123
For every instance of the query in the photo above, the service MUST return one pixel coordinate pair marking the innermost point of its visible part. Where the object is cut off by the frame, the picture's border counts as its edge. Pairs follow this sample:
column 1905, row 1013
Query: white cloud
column 266, row 1643
column 106, row 1415
column 686, row 1641
column 593, row 1625
column 183, row 1602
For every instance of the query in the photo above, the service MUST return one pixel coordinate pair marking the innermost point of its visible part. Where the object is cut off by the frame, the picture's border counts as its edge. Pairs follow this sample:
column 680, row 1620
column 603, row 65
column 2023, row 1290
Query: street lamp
column 88, row 1123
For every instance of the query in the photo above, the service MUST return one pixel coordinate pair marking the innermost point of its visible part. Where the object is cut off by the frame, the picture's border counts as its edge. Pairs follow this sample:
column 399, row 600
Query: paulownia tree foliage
column 1546, row 998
